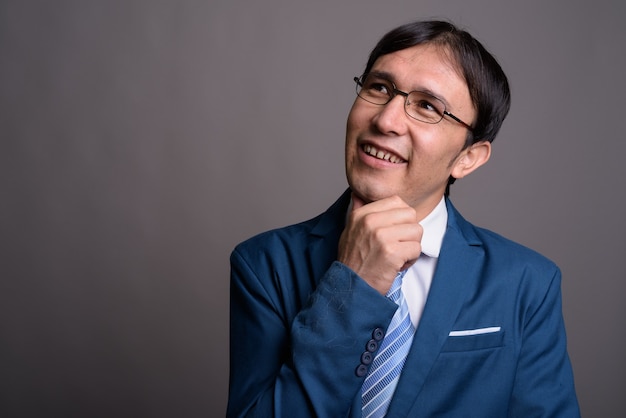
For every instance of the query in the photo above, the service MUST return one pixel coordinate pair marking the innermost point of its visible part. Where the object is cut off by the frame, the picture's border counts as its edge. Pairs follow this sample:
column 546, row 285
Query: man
column 390, row 303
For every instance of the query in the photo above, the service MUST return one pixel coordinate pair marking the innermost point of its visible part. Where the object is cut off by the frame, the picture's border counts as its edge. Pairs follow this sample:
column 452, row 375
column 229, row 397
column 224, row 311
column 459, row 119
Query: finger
column 409, row 233
column 404, row 216
column 407, row 236
column 408, row 264
column 405, row 254
column 386, row 204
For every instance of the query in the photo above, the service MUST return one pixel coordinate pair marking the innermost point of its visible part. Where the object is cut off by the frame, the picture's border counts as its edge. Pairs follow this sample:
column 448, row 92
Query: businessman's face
column 389, row 153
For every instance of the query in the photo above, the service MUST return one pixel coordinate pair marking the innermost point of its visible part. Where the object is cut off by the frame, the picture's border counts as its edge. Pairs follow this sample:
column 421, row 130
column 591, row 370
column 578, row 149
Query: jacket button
column 378, row 334
column 366, row 357
column 361, row 370
column 372, row 346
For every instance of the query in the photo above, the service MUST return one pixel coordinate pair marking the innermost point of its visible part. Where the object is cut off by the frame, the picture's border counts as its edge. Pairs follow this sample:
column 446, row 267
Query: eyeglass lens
column 419, row 105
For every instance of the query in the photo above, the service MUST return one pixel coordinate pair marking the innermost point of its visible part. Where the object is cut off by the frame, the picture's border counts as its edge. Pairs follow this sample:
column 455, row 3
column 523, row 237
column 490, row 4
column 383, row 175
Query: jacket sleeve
column 544, row 382
column 291, row 361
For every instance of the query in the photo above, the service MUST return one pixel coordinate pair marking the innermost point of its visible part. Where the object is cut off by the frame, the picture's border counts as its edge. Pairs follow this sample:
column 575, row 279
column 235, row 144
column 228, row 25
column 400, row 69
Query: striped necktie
column 382, row 378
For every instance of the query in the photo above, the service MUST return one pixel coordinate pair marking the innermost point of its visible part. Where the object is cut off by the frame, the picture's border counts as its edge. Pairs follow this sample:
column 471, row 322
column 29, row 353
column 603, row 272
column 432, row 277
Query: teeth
column 382, row 155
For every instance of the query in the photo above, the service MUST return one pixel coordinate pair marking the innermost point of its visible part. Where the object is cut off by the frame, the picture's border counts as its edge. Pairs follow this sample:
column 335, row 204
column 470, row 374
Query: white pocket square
column 478, row 331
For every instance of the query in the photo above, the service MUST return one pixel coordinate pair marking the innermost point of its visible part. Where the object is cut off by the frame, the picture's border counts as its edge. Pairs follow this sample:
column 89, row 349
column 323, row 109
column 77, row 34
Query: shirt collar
column 434, row 226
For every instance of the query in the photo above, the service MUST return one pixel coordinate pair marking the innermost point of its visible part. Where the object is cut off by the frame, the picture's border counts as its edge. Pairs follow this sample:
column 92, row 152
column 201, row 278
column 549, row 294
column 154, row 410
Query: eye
column 425, row 105
column 379, row 88
column 422, row 106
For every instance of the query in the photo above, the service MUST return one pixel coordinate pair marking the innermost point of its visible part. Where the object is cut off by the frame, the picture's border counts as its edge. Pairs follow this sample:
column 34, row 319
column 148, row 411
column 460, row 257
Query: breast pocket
column 474, row 342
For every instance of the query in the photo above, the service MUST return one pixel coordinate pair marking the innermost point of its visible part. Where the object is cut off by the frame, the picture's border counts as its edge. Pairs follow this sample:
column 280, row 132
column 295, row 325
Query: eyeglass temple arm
column 445, row 112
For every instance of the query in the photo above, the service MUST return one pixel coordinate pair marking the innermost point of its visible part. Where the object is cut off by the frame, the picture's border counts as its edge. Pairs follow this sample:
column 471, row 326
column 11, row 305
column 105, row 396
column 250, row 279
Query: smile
column 382, row 155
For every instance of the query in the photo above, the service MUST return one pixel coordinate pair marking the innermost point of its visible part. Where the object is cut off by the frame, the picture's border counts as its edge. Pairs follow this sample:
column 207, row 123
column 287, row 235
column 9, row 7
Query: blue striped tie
column 382, row 378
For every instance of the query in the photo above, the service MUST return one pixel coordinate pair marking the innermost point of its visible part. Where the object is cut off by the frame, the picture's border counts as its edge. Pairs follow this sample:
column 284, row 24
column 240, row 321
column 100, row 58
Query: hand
column 380, row 239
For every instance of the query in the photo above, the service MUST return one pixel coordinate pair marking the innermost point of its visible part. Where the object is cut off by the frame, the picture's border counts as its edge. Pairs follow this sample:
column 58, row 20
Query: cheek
column 357, row 119
column 431, row 160
column 432, row 143
column 351, row 135
column 351, row 126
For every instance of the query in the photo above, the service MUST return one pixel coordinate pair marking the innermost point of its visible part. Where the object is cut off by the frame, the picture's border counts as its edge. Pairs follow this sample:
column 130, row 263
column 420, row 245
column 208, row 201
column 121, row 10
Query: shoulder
column 513, row 253
column 501, row 250
column 285, row 264
column 290, row 241
column 275, row 239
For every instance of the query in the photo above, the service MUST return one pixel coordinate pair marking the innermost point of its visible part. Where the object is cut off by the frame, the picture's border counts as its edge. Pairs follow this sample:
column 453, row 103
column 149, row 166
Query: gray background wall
column 141, row 140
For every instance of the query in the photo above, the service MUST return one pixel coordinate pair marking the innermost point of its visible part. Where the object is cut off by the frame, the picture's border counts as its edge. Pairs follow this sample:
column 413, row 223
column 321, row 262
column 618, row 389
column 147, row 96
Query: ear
column 471, row 158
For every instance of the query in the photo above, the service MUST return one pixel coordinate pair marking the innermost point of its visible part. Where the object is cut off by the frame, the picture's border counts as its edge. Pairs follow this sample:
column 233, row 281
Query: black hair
column 488, row 85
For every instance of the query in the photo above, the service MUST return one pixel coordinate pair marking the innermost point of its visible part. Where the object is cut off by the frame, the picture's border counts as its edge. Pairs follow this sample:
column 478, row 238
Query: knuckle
column 379, row 235
column 369, row 221
column 398, row 199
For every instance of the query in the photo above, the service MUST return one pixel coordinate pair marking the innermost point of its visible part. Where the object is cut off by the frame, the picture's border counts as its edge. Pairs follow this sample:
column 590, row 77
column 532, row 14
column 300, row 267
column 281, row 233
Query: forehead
column 425, row 67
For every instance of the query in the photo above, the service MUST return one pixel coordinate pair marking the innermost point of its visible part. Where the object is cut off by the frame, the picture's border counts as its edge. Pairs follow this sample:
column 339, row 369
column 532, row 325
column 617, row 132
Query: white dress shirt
column 417, row 280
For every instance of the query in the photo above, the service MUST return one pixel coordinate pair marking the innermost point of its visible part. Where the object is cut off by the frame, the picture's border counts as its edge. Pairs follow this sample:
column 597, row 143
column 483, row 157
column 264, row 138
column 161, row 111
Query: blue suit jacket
column 300, row 321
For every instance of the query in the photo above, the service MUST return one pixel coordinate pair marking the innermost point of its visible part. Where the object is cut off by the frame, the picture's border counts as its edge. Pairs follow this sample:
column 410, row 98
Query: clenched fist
column 380, row 239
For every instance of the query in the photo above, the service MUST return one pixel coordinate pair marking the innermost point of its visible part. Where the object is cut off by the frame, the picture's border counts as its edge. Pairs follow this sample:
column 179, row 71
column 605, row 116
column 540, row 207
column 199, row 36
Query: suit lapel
column 457, row 272
column 322, row 248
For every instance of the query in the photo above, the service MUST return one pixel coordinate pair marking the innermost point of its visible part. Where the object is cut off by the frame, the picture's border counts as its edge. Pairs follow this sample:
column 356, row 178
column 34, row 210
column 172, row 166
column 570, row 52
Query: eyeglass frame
column 394, row 92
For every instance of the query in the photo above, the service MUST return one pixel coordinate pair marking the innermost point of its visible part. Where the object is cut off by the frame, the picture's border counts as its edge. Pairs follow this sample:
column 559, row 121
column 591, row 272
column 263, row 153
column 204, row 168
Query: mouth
column 382, row 155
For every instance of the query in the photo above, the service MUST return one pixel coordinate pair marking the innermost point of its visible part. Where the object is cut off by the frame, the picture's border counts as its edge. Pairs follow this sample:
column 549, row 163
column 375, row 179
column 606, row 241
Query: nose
column 391, row 119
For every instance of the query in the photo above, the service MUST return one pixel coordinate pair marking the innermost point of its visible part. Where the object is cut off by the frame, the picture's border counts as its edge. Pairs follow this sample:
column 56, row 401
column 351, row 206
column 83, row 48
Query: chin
column 371, row 193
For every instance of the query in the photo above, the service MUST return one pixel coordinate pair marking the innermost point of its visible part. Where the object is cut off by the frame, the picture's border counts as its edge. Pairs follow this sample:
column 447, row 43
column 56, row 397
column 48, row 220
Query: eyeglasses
column 419, row 105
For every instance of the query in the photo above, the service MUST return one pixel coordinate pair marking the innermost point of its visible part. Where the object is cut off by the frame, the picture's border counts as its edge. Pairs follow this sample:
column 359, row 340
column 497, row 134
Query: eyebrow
column 389, row 77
